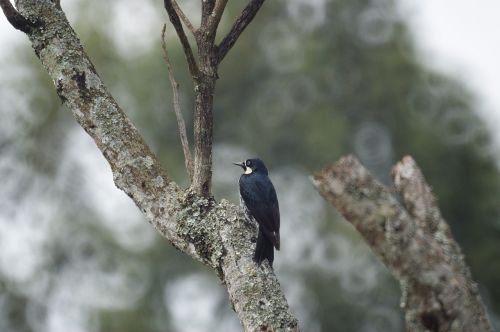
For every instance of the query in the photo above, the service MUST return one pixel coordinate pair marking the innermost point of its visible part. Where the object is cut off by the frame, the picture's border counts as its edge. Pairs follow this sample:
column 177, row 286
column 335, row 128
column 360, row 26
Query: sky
column 461, row 38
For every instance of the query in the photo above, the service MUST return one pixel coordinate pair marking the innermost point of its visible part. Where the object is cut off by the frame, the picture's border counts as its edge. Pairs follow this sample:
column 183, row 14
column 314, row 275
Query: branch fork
column 203, row 70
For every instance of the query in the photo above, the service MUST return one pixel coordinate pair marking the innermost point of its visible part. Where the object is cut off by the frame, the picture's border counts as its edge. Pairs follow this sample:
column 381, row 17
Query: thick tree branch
column 177, row 107
column 183, row 17
column 174, row 19
column 17, row 20
column 239, row 25
column 438, row 292
column 210, row 232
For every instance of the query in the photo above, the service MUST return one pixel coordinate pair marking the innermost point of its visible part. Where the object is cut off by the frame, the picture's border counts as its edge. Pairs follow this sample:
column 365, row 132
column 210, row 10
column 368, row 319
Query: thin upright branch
column 17, row 20
column 183, row 17
column 177, row 107
column 438, row 291
column 239, row 25
column 216, row 15
column 174, row 19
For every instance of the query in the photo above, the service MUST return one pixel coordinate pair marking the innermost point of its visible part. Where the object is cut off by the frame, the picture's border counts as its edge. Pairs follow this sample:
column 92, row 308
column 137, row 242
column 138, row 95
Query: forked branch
column 204, row 73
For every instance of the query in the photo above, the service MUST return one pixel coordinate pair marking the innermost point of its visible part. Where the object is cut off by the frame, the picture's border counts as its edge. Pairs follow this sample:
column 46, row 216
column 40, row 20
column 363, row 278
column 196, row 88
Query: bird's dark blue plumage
column 258, row 199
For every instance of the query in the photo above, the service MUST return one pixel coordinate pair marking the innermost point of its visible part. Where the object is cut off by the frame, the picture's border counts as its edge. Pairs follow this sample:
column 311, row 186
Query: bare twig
column 177, row 108
column 17, row 20
column 215, row 16
column 183, row 17
column 239, row 25
column 174, row 18
column 438, row 292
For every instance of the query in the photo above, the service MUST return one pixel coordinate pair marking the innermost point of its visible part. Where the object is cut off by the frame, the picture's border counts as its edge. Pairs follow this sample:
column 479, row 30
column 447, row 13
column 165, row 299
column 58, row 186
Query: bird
column 260, row 203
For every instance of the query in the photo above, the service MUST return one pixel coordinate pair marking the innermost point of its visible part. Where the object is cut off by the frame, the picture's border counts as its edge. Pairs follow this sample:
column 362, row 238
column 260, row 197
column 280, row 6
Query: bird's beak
column 241, row 164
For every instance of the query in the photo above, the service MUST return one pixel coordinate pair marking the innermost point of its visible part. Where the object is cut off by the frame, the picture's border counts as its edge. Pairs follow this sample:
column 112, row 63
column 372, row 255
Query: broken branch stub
column 413, row 241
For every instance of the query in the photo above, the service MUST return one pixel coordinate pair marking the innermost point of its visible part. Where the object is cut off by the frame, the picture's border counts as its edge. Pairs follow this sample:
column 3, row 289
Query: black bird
column 259, row 201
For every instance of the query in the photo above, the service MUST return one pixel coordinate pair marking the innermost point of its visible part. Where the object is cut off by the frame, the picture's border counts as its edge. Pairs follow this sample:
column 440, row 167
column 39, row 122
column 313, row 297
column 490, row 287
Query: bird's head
column 254, row 165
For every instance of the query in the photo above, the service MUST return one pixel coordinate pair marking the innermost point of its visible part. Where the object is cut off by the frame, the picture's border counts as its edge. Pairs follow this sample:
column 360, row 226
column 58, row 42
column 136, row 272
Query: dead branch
column 177, row 107
column 438, row 292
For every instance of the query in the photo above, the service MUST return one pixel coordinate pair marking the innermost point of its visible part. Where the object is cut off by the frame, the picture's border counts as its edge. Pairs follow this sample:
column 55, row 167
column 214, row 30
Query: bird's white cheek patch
column 248, row 170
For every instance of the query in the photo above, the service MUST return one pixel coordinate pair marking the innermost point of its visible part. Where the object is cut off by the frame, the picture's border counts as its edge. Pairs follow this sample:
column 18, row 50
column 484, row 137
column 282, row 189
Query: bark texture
column 214, row 233
column 413, row 241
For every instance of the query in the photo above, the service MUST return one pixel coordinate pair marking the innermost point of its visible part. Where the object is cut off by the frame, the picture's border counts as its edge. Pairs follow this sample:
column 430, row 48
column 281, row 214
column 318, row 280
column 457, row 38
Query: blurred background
column 308, row 82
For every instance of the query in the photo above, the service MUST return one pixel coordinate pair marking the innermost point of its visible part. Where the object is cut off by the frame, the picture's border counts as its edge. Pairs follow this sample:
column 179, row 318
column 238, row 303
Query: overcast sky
column 459, row 37
column 462, row 38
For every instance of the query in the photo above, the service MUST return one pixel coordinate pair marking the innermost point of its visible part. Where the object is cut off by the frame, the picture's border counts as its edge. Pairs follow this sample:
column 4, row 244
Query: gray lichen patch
column 158, row 181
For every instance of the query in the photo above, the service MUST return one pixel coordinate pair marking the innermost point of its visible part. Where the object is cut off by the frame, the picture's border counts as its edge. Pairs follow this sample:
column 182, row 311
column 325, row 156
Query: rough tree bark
column 214, row 233
column 413, row 241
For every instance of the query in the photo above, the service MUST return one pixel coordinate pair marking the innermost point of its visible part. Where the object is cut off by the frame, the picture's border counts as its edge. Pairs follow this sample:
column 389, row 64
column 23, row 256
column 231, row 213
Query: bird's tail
column 264, row 249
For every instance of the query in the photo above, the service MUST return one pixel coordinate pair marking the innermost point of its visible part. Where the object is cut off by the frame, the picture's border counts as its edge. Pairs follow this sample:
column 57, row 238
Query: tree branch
column 214, row 233
column 239, row 25
column 17, row 20
column 216, row 15
column 183, row 17
column 207, row 7
column 438, row 292
column 177, row 108
column 174, row 19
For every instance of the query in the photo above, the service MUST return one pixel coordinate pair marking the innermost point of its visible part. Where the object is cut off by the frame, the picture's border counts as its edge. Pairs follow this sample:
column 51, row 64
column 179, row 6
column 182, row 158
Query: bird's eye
column 249, row 163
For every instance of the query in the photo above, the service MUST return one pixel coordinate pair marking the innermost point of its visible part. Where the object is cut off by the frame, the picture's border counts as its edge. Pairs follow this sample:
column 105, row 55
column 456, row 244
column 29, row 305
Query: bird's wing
column 260, row 198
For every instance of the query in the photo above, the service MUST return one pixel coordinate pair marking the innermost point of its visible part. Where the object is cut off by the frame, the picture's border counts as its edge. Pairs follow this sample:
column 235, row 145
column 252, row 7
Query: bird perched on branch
column 259, row 201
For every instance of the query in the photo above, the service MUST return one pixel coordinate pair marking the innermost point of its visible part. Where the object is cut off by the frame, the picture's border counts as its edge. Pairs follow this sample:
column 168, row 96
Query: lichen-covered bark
column 416, row 246
column 211, row 232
